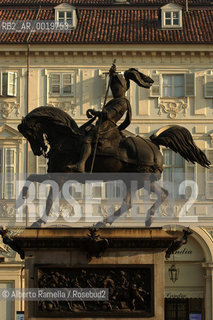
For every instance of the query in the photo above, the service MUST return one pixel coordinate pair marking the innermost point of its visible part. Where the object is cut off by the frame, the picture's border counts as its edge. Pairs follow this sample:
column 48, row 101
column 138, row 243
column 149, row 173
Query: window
column 209, row 176
column 65, row 17
column 208, row 93
column 41, row 168
column 66, row 14
column 8, row 83
column 176, row 309
column 171, row 16
column 114, row 190
column 7, row 306
column 41, row 165
column 62, row 84
column 173, row 85
column 8, row 170
column 176, row 170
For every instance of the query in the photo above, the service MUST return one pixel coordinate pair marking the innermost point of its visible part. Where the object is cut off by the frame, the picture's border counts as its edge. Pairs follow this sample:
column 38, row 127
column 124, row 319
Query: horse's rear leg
column 162, row 194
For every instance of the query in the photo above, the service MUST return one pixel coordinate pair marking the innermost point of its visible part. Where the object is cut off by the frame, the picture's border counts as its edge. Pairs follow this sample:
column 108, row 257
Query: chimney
column 187, row 5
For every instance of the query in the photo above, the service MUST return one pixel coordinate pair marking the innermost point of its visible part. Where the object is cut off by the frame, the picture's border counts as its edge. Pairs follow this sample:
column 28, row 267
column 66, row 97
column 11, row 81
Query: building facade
column 171, row 41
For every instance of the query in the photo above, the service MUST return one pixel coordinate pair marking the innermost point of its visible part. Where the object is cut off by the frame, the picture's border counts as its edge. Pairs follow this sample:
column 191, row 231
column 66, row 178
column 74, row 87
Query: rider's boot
column 85, row 153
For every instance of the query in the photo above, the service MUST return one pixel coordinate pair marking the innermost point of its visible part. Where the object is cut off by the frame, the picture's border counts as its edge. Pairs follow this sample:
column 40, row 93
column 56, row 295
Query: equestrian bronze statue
column 104, row 146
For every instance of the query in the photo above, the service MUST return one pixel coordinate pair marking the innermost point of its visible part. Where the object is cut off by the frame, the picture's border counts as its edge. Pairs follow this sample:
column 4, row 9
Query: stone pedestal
column 132, row 267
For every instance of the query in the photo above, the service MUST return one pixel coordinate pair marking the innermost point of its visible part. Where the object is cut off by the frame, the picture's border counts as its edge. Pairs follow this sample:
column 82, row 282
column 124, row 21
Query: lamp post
column 173, row 273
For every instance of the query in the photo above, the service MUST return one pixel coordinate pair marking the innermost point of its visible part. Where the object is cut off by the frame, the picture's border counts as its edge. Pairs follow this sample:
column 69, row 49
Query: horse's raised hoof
column 99, row 225
column 75, row 168
column 37, row 224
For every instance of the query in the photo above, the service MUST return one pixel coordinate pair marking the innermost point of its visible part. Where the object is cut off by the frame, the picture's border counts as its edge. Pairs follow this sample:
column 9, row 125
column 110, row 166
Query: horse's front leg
column 31, row 178
column 50, row 199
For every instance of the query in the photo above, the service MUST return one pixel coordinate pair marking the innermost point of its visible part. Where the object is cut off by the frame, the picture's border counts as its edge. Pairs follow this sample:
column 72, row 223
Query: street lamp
column 173, row 273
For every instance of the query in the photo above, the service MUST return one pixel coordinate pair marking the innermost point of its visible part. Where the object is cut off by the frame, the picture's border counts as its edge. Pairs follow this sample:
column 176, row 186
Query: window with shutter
column 11, row 84
column 155, row 90
column 208, row 92
column 55, row 83
column 189, row 84
column 41, row 168
column 1, row 92
column 61, row 84
column 173, row 85
column 4, row 83
column 8, row 171
column 209, row 176
column 175, row 171
column 67, row 83
column 8, row 84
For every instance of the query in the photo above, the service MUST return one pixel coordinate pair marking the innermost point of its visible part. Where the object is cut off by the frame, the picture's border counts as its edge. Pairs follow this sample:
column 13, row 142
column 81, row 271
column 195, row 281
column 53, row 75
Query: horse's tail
column 180, row 140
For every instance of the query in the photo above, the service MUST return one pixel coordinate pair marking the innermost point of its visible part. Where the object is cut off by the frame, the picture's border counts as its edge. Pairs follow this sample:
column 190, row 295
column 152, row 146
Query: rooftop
column 121, row 24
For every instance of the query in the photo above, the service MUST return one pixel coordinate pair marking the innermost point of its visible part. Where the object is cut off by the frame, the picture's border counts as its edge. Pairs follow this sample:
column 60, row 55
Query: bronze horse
column 121, row 154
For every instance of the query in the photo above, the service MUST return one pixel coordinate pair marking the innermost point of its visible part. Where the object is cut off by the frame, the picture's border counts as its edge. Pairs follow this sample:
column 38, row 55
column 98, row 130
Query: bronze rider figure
column 113, row 110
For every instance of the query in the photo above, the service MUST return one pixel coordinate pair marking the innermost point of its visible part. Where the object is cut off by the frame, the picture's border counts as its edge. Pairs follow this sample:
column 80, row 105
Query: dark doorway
column 180, row 309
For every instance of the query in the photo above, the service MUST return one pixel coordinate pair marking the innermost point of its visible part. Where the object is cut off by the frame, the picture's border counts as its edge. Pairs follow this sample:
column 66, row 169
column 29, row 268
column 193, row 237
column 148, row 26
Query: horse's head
column 31, row 129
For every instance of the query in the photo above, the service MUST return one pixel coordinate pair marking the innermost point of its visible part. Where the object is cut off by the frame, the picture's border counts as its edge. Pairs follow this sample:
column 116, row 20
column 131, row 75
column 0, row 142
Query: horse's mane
column 57, row 117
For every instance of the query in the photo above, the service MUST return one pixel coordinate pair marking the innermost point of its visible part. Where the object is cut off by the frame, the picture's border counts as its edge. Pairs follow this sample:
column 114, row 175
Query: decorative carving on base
column 65, row 106
column 130, row 290
column 172, row 106
column 6, row 108
column 93, row 244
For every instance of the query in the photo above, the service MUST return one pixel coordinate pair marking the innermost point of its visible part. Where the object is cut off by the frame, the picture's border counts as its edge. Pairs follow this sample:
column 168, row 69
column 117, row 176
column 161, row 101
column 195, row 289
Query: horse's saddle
column 134, row 149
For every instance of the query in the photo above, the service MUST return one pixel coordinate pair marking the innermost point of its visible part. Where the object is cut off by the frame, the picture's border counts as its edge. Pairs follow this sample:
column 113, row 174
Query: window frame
column 206, row 176
column 65, row 18
column 8, row 93
column 66, row 9
column 185, row 167
column 41, row 165
column 3, row 167
column 208, row 78
column 61, row 84
column 173, row 85
column 172, row 11
column 157, row 76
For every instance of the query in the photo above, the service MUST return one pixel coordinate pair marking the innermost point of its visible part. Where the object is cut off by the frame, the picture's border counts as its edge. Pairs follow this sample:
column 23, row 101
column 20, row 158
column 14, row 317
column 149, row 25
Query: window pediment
column 7, row 132
column 64, row 6
column 171, row 6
